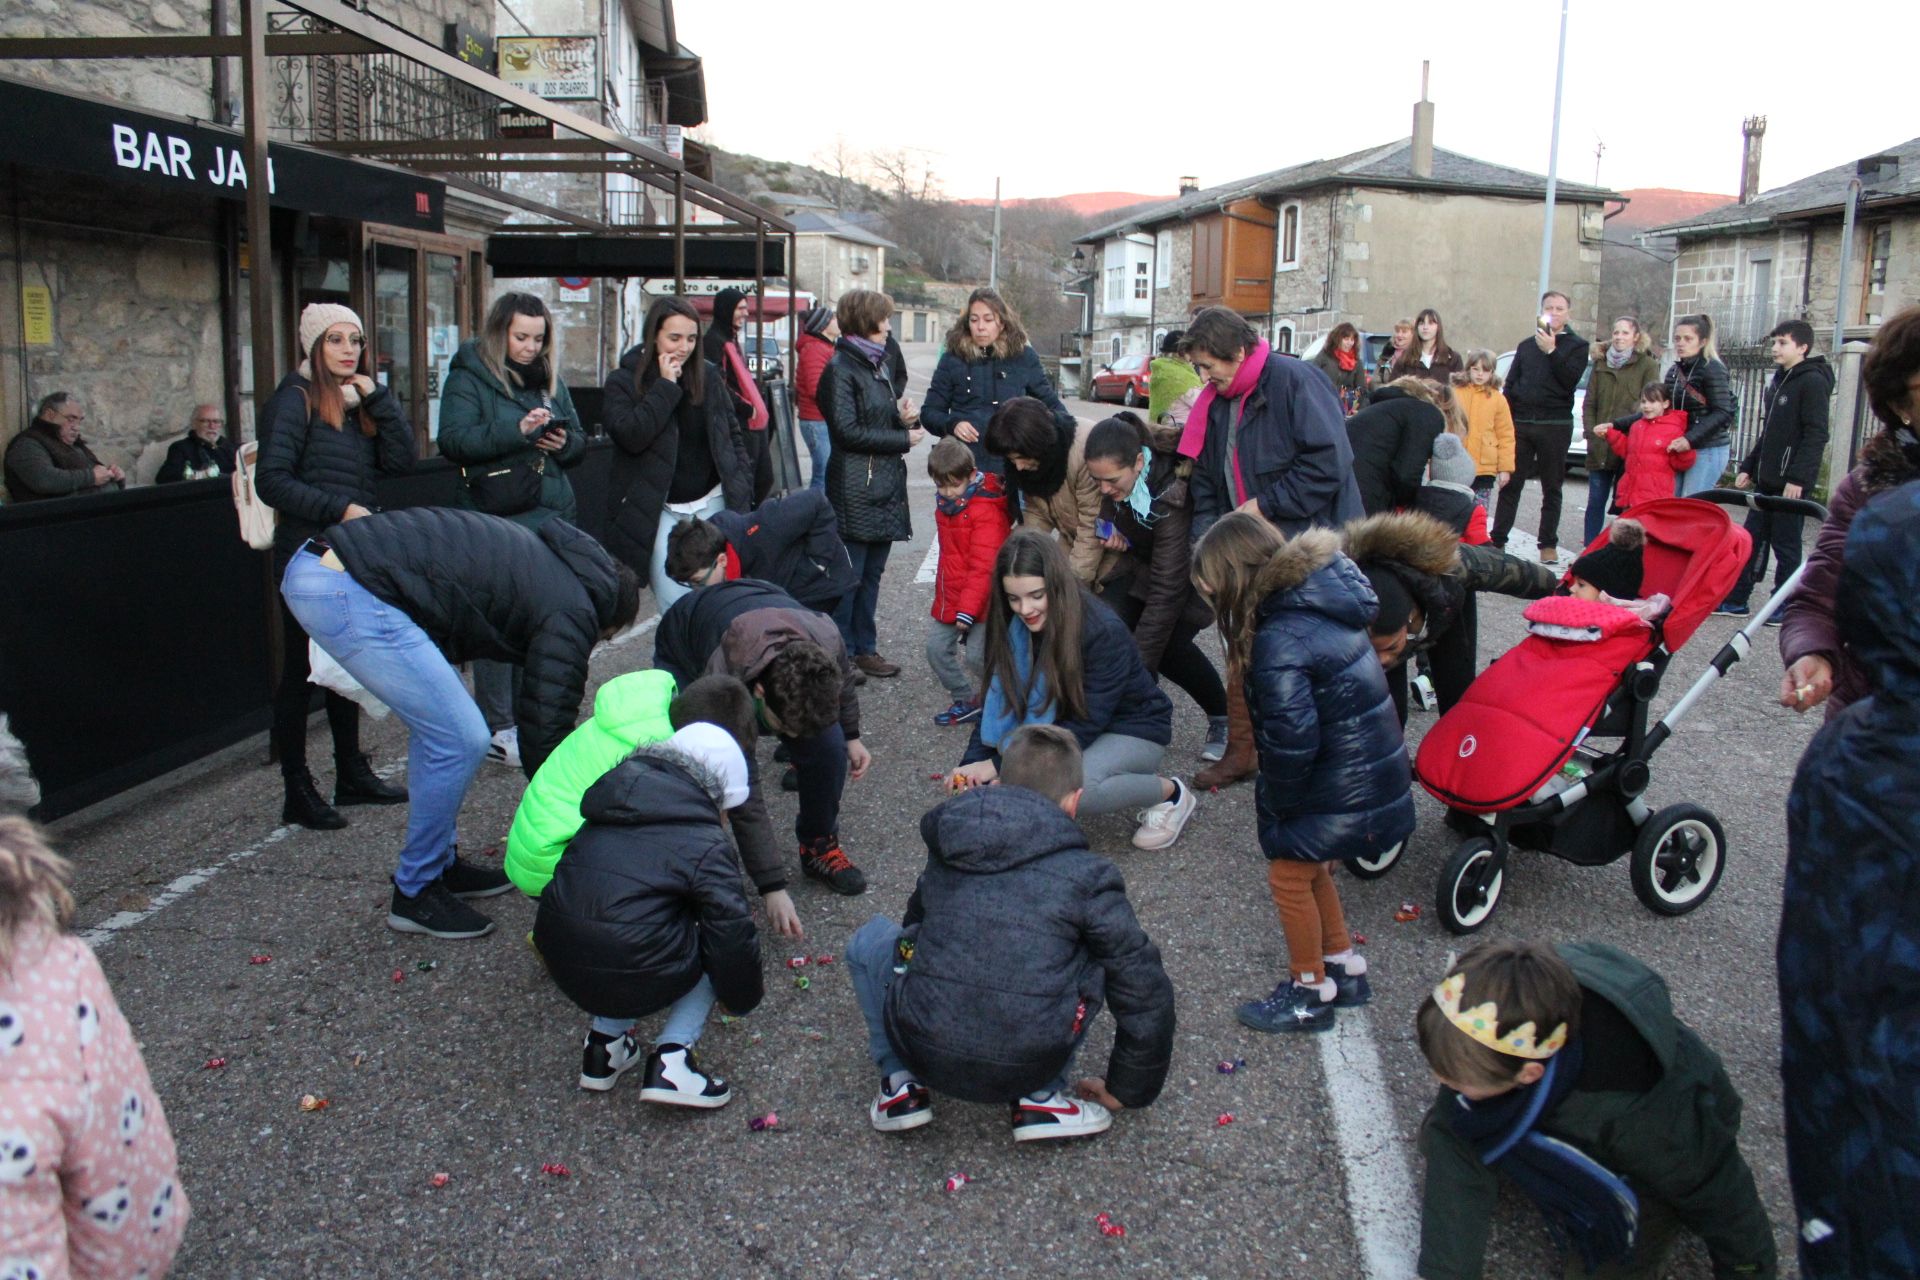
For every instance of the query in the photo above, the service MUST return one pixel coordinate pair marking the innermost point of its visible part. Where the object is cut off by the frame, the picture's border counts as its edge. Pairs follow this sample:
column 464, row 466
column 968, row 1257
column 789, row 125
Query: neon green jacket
column 629, row 711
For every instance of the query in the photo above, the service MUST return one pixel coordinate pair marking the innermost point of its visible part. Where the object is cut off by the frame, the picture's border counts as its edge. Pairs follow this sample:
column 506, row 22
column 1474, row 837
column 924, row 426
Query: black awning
column 600, row 256
column 51, row 129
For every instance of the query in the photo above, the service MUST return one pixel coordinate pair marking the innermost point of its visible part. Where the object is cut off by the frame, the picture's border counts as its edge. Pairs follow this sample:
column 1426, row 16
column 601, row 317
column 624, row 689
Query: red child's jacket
column 971, row 531
column 1650, row 468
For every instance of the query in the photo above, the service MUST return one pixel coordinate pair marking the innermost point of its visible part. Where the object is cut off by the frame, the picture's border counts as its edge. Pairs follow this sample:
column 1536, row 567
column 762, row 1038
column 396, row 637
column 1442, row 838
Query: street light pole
column 993, row 252
column 1553, row 158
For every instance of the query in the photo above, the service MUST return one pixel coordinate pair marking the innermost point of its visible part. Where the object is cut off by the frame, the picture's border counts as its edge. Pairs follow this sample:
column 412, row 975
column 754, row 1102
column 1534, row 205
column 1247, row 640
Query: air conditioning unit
column 861, row 262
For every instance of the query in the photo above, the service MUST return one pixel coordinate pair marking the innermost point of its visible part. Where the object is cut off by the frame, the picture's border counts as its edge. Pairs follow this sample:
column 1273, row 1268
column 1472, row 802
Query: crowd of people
column 1334, row 531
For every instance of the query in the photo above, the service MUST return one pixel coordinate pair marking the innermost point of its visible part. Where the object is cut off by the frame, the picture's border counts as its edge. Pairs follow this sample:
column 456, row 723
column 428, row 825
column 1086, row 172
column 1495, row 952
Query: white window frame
column 1284, row 263
column 1163, row 260
column 1283, row 339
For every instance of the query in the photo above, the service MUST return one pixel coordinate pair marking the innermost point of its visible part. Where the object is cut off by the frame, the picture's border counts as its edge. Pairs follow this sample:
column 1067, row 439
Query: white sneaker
column 674, row 1079
column 505, row 748
column 1037, row 1117
column 603, row 1058
column 1161, row 825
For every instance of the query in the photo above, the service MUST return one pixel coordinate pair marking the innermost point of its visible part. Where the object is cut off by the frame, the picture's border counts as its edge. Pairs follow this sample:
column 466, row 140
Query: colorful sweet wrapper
column 261, row 959
column 760, row 1124
column 310, row 1103
column 438, row 1180
column 955, row 1181
column 557, row 1170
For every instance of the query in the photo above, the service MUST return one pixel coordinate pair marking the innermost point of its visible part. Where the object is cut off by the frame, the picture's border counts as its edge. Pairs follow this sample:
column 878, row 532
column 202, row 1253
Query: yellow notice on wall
column 36, row 314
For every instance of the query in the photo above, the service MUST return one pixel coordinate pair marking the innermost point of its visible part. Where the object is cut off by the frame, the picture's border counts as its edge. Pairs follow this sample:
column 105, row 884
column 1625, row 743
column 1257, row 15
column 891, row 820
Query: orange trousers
column 1310, row 915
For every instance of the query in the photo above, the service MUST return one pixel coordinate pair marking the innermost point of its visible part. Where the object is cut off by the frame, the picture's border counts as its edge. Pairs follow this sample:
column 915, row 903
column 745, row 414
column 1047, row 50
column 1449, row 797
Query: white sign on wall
column 554, row 67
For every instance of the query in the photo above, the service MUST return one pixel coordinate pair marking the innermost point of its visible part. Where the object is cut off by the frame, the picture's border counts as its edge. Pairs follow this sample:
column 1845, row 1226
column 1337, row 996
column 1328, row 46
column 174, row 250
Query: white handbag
column 257, row 519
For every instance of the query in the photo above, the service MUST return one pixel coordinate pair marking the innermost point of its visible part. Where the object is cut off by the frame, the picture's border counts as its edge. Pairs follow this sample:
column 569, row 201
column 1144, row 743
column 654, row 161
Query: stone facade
column 828, row 266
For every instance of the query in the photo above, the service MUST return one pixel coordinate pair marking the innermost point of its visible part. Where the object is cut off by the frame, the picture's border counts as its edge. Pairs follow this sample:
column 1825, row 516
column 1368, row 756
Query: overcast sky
column 1061, row 96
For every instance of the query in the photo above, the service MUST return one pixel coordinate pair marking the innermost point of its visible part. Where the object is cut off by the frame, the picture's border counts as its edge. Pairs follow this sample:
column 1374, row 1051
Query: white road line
column 115, row 925
column 930, row 564
column 1380, row 1194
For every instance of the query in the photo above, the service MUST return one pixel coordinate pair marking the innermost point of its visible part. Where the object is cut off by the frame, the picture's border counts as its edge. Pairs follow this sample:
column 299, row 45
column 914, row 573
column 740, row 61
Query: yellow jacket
column 1489, row 428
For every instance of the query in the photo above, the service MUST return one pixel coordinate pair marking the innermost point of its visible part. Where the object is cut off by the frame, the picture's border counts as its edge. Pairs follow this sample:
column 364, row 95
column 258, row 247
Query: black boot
column 305, row 807
column 355, row 782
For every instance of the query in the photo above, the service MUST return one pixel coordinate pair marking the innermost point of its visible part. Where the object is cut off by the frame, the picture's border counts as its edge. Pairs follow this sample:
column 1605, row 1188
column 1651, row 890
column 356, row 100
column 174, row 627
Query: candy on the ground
column 797, row 962
column 1359, row 939
column 399, row 975
column 438, row 1180
column 1408, row 911
column 1225, row 1118
column 427, row 966
column 728, row 1019
column 310, row 1103
column 771, row 1120
column 803, row 983
column 259, row 959
column 1228, row 1066
column 823, row 959
column 213, row 1064
column 557, row 1170
column 1108, row 1227
column 955, row 1181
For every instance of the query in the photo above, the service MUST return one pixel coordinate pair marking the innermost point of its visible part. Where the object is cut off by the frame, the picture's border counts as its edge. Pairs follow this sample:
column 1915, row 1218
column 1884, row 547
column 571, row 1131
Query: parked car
column 1577, row 450
column 1124, row 381
column 764, row 357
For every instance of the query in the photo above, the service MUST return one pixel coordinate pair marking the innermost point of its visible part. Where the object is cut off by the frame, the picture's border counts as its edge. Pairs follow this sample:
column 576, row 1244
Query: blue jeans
column 686, row 1017
column 855, row 616
column 821, row 763
column 665, row 589
column 1599, row 494
column 819, row 448
column 1708, row 465
column 386, row 651
column 869, row 956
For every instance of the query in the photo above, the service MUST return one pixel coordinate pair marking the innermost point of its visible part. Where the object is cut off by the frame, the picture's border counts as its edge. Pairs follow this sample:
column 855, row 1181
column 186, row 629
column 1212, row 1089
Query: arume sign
column 554, row 67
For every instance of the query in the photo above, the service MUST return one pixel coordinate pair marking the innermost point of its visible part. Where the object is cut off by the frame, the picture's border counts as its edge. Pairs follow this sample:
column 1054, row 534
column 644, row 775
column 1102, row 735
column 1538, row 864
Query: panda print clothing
column 87, row 1168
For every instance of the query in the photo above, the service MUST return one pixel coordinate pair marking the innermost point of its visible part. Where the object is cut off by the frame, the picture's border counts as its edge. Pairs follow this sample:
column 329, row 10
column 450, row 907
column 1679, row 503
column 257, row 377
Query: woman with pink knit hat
column 326, row 435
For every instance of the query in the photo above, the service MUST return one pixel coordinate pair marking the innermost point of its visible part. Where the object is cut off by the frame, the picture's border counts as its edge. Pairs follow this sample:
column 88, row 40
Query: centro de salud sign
column 558, row 68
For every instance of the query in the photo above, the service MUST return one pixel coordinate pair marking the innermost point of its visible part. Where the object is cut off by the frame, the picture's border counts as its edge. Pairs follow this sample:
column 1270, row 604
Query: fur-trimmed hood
column 1412, row 538
column 1298, row 560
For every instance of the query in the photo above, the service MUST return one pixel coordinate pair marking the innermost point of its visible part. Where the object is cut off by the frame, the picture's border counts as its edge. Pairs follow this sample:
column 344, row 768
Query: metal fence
column 1750, row 368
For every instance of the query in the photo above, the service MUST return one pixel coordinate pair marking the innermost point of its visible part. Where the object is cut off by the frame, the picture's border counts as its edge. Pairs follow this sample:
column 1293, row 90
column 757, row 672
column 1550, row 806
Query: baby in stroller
column 1610, row 576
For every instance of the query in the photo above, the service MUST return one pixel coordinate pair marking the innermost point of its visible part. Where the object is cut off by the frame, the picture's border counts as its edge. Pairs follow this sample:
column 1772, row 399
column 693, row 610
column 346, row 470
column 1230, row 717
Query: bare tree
column 842, row 166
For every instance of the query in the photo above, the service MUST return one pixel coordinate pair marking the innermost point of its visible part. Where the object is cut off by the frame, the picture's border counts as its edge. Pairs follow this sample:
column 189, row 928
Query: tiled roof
column 1824, row 190
column 839, row 228
column 1390, row 165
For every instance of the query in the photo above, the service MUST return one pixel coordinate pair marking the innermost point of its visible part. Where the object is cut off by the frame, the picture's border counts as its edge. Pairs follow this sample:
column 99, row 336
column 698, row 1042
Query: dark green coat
column 1613, row 394
column 480, row 423
column 1676, row 1142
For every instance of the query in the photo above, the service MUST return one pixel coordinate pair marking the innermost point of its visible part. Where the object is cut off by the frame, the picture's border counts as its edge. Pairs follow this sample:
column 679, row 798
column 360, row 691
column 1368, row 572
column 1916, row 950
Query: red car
column 1124, row 381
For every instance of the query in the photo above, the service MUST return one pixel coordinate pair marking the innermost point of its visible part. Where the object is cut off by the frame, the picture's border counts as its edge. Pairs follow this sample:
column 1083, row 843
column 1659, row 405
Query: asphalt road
column 460, row 1057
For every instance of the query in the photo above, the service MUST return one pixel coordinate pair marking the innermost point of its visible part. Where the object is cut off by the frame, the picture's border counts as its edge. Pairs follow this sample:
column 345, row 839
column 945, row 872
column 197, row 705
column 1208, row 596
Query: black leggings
column 1184, row 662
column 292, row 702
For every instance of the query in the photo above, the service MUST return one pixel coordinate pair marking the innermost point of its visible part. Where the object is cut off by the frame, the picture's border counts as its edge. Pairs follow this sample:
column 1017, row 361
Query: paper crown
column 1480, row 1022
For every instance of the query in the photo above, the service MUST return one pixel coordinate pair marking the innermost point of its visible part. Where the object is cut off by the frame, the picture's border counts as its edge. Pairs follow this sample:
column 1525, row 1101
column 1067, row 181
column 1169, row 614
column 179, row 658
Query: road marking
column 1380, row 1194
column 930, row 564
column 115, row 925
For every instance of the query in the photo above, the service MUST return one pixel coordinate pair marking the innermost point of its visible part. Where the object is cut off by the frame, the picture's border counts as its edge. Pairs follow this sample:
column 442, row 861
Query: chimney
column 1751, row 132
column 1423, row 130
column 1872, row 169
column 1189, row 184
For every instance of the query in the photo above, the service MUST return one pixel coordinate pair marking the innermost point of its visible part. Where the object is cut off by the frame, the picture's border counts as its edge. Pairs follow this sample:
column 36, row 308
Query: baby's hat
column 1452, row 464
column 1618, row 567
column 715, row 748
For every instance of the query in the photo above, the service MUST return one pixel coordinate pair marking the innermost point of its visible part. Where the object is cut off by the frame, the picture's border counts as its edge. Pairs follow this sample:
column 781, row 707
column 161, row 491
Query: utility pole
column 993, row 252
column 1599, row 149
column 1553, row 158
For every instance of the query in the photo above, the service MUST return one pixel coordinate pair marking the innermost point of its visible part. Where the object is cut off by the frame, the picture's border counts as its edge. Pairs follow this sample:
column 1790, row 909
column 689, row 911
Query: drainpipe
column 1846, row 265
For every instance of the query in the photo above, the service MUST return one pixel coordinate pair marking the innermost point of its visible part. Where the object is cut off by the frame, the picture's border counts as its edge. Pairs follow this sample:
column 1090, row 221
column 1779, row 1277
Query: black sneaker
column 306, row 807
column 1040, row 1116
column 1291, row 1007
column 674, row 1079
column 1351, row 990
column 355, row 782
column 783, row 754
column 790, row 780
column 437, row 913
column 823, row 859
column 465, row 879
column 897, row 1110
column 604, row 1057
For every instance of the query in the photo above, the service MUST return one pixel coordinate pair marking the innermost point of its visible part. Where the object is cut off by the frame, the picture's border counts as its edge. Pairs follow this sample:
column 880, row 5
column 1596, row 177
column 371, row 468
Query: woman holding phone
column 507, row 421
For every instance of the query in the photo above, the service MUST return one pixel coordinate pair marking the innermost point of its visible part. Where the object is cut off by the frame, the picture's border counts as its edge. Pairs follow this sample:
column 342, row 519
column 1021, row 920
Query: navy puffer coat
column 971, row 382
column 647, row 897
column 310, row 473
column 1020, row 934
column 1334, row 775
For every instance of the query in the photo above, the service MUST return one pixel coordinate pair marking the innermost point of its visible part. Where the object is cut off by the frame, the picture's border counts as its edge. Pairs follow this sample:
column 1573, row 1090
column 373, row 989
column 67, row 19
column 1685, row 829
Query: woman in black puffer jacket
column 867, row 471
column 1392, row 439
column 1698, row 384
column 328, row 432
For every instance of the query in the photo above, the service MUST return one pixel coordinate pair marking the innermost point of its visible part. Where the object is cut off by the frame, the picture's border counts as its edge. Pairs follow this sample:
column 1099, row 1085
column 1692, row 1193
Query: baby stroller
column 1516, row 762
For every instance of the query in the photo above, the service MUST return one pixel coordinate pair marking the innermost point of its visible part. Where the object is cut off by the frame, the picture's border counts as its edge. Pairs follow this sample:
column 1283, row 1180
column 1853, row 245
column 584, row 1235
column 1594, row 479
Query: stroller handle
column 1767, row 502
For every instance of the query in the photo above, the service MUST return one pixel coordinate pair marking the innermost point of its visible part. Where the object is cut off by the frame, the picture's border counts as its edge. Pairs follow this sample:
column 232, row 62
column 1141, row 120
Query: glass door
column 445, row 279
column 395, row 313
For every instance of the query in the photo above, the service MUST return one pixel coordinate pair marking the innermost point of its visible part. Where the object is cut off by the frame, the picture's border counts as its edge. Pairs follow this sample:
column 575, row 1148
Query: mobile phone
column 1103, row 527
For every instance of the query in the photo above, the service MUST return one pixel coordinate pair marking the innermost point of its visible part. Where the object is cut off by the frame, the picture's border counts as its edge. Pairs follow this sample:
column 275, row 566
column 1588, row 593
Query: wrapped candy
column 1108, row 1227
column 803, row 983
column 427, row 966
column 1228, row 1066
column 557, row 1170
column 213, row 1064
column 760, row 1124
column 797, row 962
column 399, row 975
column 310, row 1103
column 955, row 1181
column 1408, row 911
column 261, row 959
column 823, row 959
column 438, row 1180
column 1224, row 1119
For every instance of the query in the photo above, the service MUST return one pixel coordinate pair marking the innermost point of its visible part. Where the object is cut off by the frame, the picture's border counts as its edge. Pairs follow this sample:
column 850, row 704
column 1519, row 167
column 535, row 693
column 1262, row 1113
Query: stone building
column 1775, row 255
column 1370, row 237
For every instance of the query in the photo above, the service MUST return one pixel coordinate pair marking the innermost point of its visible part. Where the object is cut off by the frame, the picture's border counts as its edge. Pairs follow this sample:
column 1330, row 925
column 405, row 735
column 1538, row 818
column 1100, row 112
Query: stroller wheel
column 1379, row 864
column 1678, row 858
column 1470, row 885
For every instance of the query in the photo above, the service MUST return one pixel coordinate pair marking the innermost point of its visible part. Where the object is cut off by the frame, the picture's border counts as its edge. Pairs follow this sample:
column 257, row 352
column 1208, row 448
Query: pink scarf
column 1194, row 435
column 749, row 390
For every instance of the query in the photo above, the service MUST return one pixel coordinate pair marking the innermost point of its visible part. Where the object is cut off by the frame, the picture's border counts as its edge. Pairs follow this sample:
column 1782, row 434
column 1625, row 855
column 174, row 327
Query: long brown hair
column 493, row 341
column 1057, row 658
column 1438, row 394
column 1228, row 560
column 1409, row 359
column 329, row 403
column 693, row 382
column 33, row 884
column 1340, row 333
column 1013, row 336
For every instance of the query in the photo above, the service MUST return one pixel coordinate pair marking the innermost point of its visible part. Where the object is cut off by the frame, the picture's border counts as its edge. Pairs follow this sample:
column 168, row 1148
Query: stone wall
column 1903, row 270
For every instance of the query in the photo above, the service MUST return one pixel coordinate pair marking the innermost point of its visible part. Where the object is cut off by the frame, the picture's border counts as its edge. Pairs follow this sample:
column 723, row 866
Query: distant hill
column 1087, row 204
column 1658, row 206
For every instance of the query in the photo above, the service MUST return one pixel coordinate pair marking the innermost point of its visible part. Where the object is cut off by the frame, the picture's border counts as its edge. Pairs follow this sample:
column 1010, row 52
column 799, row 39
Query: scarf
column 1587, row 1207
column 1346, row 360
column 1616, row 358
column 998, row 719
column 533, row 375
column 874, row 353
column 348, row 391
column 1141, row 499
column 955, row 506
column 748, row 388
column 1193, row 437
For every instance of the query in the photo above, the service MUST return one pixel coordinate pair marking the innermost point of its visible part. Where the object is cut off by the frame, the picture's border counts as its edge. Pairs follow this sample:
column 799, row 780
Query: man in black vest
column 50, row 460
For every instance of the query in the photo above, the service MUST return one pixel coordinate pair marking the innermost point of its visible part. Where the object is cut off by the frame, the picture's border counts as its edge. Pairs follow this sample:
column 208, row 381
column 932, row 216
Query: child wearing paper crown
column 1564, row 1070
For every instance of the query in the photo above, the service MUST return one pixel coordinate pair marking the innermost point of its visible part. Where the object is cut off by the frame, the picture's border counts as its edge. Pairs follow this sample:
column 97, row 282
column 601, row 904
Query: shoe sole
column 674, row 1098
column 339, row 799
column 1040, row 1133
column 1295, row 1027
column 482, row 893
column 827, row 880
column 601, row 1084
column 899, row 1124
column 1170, row 840
column 288, row 821
column 400, row 924
column 1212, row 755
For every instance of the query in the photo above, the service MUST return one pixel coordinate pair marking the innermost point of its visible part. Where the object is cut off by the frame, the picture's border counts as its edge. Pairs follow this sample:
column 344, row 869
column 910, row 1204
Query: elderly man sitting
column 50, row 460
column 204, row 454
